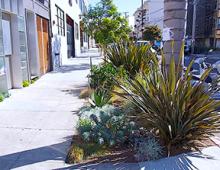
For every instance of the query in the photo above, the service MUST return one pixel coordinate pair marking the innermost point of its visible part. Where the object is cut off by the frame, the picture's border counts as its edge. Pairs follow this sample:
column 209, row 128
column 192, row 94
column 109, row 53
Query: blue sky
column 123, row 5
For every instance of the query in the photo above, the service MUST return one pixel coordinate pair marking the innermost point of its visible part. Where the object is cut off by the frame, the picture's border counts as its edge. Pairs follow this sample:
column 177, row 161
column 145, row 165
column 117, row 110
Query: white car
column 217, row 66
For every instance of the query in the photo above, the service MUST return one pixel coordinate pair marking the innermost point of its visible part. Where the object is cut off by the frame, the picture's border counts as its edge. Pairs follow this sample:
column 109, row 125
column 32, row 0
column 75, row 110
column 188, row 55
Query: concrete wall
column 3, row 78
column 37, row 7
column 59, row 43
column 15, row 58
column 33, row 53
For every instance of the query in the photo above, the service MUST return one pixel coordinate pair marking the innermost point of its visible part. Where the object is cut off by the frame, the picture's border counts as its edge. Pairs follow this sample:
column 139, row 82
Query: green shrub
column 34, row 80
column 85, row 126
column 179, row 112
column 148, row 149
column 75, row 154
column 26, row 83
column 6, row 94
column 2, row 97
column 134, row 59
column 106, row 125
column 100, row 98
column 101, row 76
column 80, row 151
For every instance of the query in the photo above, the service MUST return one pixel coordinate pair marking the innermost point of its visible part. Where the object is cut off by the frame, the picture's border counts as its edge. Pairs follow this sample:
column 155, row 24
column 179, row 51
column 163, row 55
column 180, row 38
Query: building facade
column 37, row 36
column 217, row 26
column 67, row 37
column 152, row 13
column 14, row 66
column 156, row 13
column 24, row 41
column 37, row 17
column 140, row 20
column 205, row 24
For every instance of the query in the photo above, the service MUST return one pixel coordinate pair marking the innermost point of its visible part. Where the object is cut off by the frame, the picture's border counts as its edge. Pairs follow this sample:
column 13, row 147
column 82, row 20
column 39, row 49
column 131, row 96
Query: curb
column 216, row 140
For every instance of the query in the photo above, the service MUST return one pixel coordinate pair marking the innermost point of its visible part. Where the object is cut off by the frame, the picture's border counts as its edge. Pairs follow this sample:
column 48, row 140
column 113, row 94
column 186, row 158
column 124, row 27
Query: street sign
column 167, row 34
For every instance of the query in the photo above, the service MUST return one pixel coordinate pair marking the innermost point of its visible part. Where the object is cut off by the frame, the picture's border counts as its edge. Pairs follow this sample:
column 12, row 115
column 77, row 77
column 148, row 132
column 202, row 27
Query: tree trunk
column 175, row 12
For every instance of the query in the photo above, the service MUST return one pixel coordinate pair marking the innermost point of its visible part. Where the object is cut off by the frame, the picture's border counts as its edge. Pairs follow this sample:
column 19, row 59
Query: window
column 76, row 31
column 77, row 1
column 70, row 3
column 81, row 5
column 218, row 23
column 41, row 1
column 2, row 66
column 60, row 21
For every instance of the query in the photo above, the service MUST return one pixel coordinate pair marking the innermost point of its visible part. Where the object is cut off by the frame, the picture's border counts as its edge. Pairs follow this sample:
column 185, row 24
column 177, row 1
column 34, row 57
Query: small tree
column 152, row 33
column 105, row 24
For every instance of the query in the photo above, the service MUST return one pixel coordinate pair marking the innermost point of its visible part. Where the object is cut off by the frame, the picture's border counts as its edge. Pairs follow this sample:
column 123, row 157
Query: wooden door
column 46, row 45
column 43, row 44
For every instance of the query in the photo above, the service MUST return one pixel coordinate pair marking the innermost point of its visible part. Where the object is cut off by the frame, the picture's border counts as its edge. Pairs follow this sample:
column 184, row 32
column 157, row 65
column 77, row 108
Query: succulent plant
column 148, row 149
column 99, row 98
column 105, row 125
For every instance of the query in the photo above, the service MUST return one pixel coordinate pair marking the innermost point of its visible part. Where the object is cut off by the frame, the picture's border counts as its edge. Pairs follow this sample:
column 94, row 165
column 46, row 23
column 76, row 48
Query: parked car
column 199, row 67
column 187, row 49
column 142, row 42
column 216, row 66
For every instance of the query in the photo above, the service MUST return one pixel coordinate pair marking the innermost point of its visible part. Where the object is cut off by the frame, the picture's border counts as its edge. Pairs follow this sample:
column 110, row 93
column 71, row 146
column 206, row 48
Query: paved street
column 37, row 123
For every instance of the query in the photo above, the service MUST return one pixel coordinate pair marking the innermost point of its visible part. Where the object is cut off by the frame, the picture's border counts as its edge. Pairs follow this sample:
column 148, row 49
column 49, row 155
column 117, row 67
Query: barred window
column 60, row 21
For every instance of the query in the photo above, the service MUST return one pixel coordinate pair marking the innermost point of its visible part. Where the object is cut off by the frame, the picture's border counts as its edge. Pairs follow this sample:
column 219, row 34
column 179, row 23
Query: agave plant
column 179, row 112
column 99, row 98
column 132, row 58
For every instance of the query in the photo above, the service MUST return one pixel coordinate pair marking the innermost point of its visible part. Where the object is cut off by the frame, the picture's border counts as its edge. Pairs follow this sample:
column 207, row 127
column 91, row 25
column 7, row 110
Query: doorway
column 7, row 44
column 43, row 44
column 70, row 37
column 32, row 45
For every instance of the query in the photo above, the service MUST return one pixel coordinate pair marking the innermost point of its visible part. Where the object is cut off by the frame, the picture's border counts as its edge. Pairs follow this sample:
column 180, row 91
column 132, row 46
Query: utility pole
column 142, row 19
column 175, row 12
column 195, row 2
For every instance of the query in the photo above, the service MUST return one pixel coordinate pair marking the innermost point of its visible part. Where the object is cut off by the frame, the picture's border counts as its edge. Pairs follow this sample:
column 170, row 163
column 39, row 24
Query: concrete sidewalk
column 37, row 123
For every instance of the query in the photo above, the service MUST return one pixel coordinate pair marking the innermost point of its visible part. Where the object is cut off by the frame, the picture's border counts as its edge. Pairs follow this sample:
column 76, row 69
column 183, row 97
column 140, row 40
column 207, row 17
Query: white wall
column 156, row 13
column 13, row 6
column 37, row 7
column 73, row 12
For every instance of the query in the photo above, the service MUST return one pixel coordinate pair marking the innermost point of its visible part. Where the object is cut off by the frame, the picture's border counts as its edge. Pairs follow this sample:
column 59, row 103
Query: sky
column 124, row 6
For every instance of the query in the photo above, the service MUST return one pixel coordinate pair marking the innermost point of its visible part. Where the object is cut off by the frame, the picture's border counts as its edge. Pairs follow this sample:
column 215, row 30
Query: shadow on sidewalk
column 42, row 154
column 70, row 68
column 75, row 92
column 180, row 162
